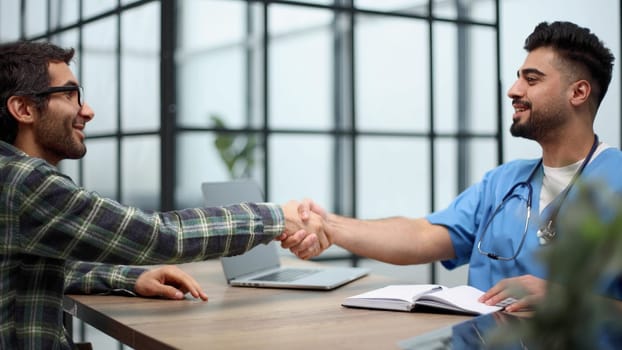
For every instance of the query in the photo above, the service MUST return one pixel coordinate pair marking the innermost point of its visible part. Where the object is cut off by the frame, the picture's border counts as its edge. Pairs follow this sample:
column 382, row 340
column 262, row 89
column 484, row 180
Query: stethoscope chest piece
column 546, row 233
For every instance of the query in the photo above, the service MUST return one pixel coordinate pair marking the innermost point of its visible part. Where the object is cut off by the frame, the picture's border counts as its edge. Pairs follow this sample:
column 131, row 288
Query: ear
column 21, row 109
column 580, row 92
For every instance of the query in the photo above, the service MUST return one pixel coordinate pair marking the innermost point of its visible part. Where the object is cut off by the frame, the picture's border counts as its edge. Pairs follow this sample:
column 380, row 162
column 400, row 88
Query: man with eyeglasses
column 499, row 224
column 50, row 227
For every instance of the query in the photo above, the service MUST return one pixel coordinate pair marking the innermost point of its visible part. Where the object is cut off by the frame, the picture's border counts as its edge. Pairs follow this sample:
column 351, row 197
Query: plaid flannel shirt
column 48, row 224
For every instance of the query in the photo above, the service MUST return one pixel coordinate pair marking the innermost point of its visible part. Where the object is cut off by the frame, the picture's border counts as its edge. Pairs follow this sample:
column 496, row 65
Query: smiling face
column 539, row 96
column 59, row 128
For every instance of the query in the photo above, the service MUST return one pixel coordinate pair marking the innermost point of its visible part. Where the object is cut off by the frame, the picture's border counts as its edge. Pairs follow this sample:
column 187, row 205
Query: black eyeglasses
column 67, row 88
column 513, row 203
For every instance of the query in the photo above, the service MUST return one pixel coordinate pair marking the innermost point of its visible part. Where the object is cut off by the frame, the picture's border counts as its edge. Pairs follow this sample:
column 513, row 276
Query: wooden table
column 253, row 318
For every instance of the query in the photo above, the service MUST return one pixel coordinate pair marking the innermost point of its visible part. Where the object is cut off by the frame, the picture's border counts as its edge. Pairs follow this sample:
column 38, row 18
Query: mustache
column 523, row 103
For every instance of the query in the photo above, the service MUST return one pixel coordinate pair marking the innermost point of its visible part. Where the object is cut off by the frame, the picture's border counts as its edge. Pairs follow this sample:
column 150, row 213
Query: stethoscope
column 546, row 231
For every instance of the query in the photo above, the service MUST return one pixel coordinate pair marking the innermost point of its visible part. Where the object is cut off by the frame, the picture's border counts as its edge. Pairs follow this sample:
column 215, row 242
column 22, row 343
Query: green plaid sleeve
column 96, row 278
column 58, row 219
column 48, row 223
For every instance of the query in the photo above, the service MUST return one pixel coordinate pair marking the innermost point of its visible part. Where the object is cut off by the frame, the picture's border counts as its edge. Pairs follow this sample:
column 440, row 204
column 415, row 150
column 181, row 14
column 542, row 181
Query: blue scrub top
column 467, row 215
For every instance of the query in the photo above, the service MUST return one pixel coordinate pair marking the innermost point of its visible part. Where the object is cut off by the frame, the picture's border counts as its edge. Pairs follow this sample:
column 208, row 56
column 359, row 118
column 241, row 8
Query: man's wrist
column 330, row 227
column 130, row 276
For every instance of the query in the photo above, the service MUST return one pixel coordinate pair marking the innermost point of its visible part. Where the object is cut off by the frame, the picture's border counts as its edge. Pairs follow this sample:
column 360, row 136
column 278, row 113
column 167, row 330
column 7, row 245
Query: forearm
column 105, row 231
column 395, row 240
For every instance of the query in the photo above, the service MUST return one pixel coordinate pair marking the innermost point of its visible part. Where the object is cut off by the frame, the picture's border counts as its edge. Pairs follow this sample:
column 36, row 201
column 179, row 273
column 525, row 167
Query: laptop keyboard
column 285, row 275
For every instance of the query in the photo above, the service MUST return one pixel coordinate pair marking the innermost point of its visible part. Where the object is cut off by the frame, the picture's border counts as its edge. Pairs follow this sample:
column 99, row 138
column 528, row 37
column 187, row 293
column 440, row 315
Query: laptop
column 261, row 266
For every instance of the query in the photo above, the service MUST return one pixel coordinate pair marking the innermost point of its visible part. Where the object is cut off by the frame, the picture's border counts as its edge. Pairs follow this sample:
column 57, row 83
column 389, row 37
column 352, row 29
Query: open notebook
column 261, row 266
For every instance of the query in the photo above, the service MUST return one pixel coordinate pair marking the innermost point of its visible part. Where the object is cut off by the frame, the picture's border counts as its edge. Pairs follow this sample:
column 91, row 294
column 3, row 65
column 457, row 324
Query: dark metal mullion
column 67, row 317
column 463, row 115
column 438, row 135
column 119, row 136
column 59, row 10
column 499, row 135
column 119, row 117
column 338, row 68
column 249, row 59
column 266, row 93
column 432, row 277
column 22, row 22
column 168, row 103
column 48, row 17
column 353, row 161
column 344, row 129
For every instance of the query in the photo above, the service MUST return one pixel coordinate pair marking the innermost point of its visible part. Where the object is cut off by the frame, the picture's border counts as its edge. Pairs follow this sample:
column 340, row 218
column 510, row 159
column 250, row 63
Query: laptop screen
column 262, row 257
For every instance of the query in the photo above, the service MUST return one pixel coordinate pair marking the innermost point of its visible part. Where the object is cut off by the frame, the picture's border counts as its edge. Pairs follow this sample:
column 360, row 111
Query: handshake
column 305, row 232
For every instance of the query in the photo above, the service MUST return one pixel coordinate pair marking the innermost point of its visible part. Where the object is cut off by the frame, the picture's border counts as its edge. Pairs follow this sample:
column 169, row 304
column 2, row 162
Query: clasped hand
column 305, row 233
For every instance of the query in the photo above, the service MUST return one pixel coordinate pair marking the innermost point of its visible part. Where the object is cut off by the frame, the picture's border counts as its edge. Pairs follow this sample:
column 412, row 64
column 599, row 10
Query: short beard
column 523, row 130
column 538, row 127
column 56, row 137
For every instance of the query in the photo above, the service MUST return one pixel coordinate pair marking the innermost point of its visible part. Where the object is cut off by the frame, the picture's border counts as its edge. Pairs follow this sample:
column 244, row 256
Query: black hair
column 579, row 46
column 24, row 71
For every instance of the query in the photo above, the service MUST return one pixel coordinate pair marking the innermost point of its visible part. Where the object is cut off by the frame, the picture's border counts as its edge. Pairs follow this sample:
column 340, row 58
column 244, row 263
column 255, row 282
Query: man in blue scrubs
column 497, row 225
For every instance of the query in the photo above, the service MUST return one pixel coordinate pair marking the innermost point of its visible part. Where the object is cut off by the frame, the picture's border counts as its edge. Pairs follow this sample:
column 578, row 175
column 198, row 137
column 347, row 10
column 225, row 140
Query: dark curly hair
column 579, row 47
column 24, row 71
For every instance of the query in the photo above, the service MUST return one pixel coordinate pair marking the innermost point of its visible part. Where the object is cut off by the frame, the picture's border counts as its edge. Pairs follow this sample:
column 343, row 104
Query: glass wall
column 372, row 108
column 117, row 61
column 338, row 96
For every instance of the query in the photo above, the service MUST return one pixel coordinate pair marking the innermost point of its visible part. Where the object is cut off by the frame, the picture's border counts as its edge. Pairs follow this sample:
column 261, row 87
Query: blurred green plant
column 235, row 150
column 587, row 252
